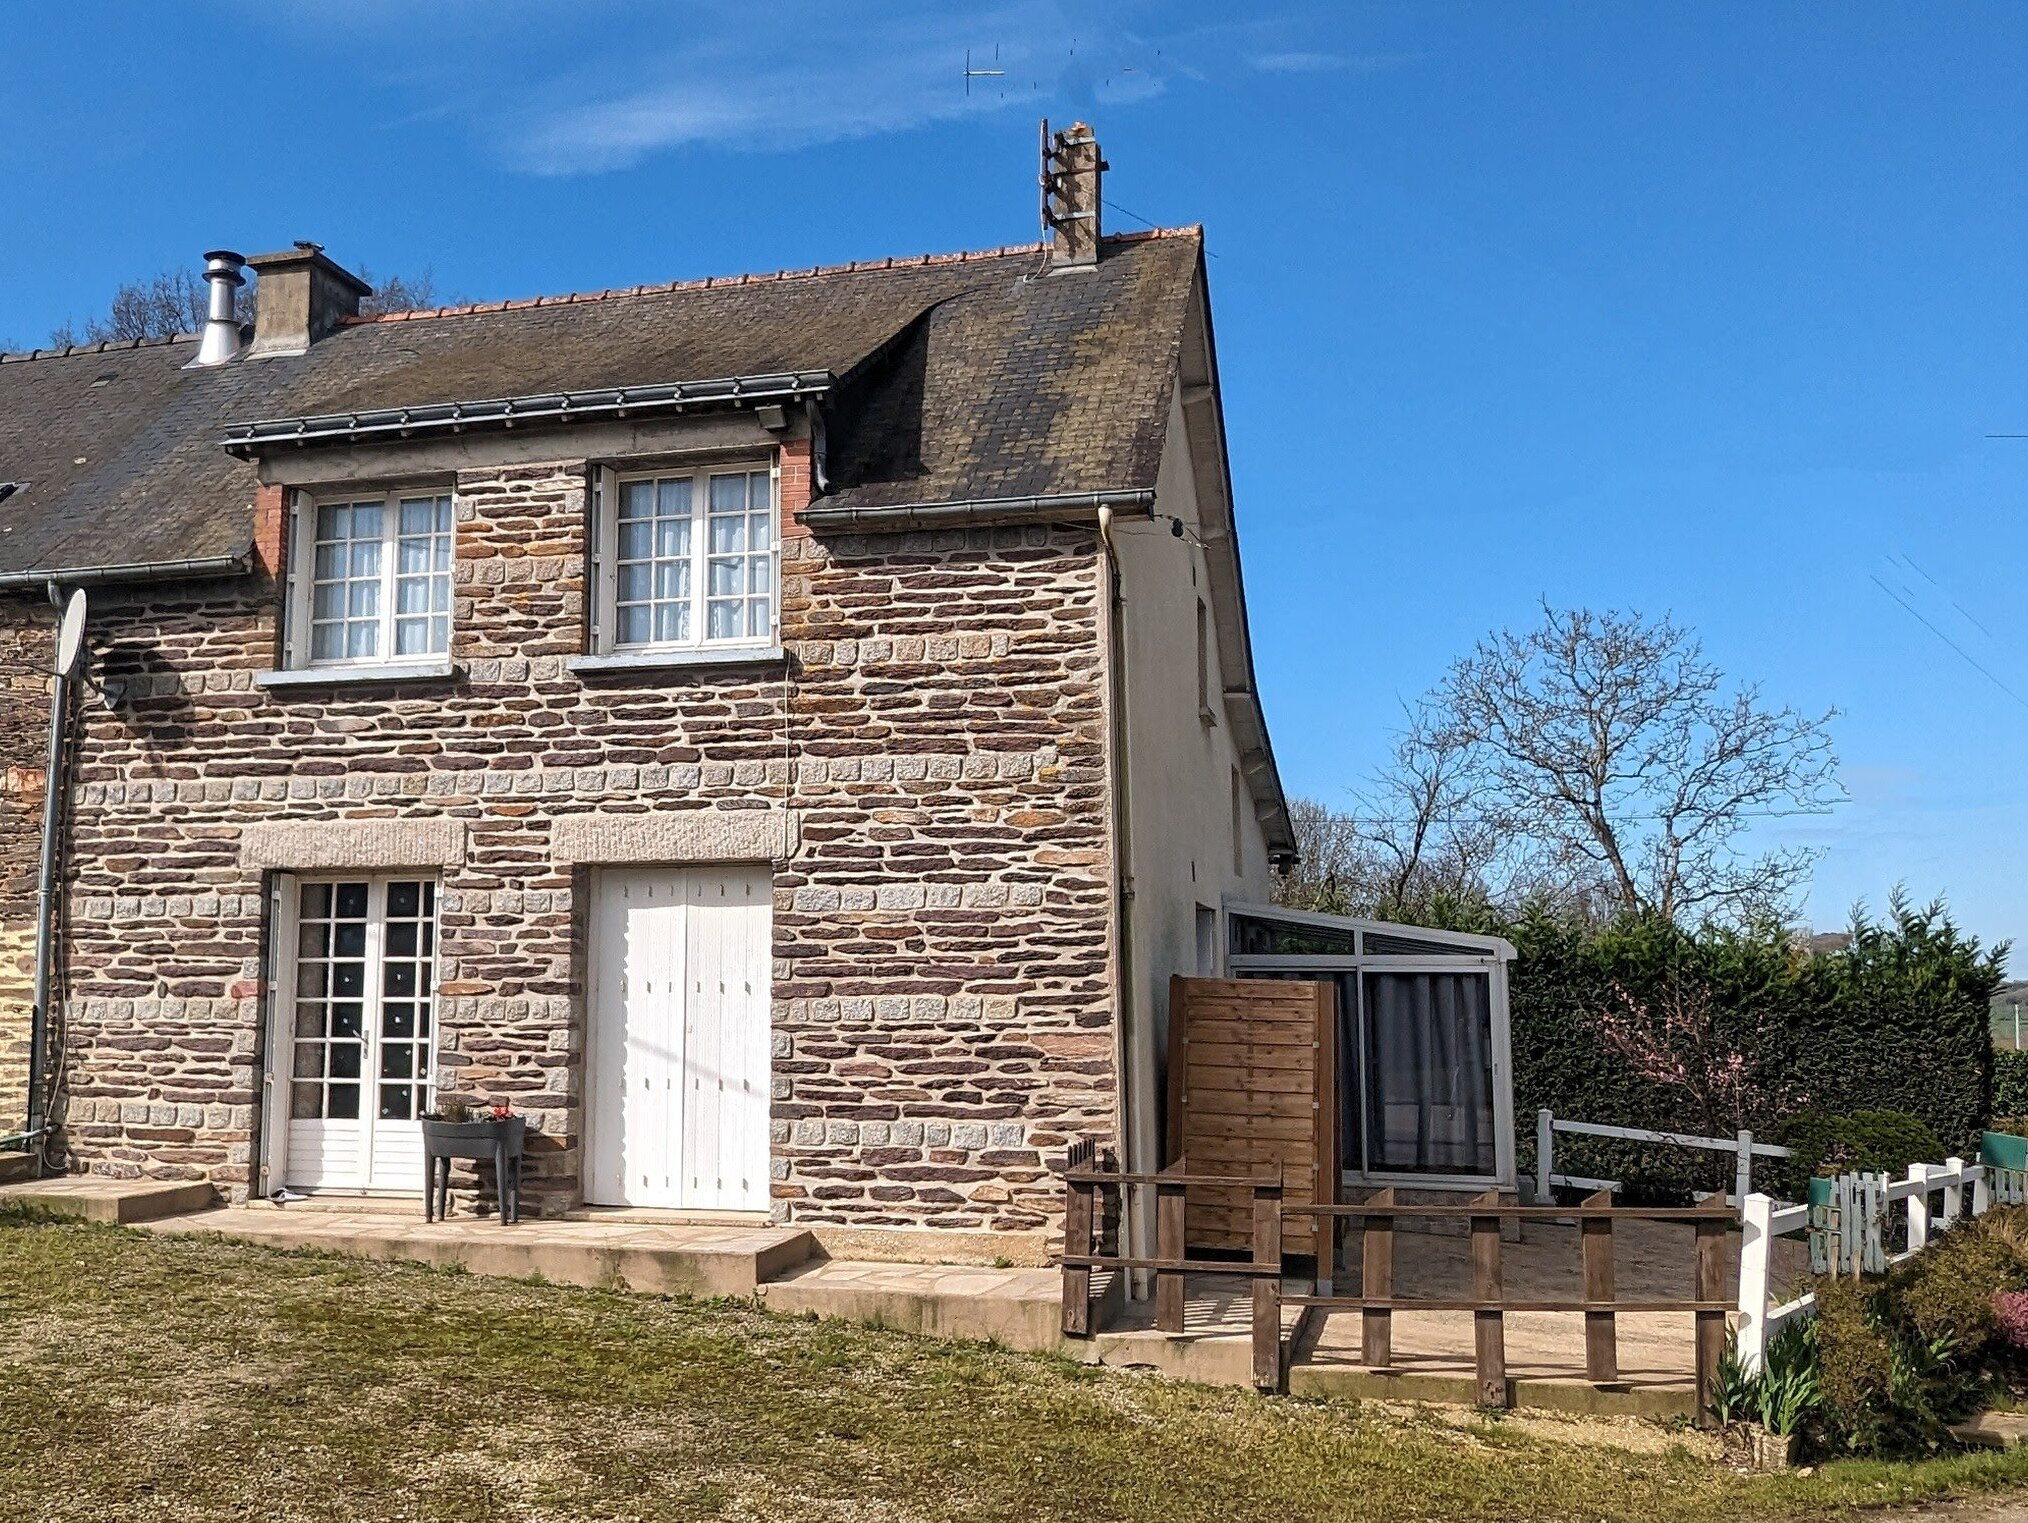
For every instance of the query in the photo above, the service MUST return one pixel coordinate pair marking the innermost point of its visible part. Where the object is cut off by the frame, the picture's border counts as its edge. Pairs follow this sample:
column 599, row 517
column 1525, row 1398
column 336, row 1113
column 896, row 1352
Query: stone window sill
column 676, row 660
column 439, row 670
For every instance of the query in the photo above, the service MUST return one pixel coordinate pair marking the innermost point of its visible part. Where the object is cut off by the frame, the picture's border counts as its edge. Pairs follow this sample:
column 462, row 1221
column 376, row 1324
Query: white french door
column 676, row 1104
column 359, row 1055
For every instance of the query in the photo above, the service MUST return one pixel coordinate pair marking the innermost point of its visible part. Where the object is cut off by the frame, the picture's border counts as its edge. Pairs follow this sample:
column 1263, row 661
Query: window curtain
column 1429, row 1073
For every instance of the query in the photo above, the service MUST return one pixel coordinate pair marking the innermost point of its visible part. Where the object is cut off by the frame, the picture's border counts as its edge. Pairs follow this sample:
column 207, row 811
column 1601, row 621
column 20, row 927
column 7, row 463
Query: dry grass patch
column 151, row 1378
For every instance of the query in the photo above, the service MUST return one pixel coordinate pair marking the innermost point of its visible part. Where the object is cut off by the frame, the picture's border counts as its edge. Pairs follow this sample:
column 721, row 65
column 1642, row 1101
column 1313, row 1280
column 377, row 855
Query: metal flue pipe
column 221, row 323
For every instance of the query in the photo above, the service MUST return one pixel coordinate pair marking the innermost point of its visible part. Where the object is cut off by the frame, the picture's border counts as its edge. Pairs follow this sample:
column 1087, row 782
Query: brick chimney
column 300, row 298
column 1071, row 167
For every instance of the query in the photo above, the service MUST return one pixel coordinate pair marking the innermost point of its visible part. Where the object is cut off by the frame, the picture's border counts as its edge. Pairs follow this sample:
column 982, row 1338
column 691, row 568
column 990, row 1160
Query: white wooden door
column 677, row 1090
column 360, row 1046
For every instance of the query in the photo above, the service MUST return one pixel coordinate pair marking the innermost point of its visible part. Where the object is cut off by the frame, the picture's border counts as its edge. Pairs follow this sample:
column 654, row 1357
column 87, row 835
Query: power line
column 1111, row 205
column 1909, row 560
column 1494, row 819
column 1910, row 608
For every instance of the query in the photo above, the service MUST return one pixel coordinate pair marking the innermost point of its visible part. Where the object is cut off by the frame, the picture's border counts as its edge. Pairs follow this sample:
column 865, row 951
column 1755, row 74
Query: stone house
column 780, row 733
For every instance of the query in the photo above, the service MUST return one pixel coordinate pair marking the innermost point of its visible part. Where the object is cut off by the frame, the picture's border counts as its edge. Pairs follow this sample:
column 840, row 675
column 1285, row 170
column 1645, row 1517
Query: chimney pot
column 1071, row 172
column 221, row 323
column 304, row 295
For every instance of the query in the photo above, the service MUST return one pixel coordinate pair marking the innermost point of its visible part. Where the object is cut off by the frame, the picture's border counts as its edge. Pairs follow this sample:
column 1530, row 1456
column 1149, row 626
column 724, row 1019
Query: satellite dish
column 70, row 634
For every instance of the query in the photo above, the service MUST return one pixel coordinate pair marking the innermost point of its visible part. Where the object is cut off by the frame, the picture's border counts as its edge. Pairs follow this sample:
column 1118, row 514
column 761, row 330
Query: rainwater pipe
column 37, row 1131
column 1138, row 1220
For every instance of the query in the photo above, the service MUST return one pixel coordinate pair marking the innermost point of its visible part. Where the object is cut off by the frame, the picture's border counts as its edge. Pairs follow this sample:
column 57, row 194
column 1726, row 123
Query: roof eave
column 1204, row 422
column 188, row 569
column 1060, row 508
column 246, row 440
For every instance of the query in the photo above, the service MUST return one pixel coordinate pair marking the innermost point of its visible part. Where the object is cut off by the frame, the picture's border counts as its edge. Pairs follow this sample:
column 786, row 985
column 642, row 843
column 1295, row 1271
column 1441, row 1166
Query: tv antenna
column 971, row 73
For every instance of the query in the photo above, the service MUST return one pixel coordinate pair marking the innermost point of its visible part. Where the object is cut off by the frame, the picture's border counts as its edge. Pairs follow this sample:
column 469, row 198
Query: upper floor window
column 687, row 559
column 375, row 580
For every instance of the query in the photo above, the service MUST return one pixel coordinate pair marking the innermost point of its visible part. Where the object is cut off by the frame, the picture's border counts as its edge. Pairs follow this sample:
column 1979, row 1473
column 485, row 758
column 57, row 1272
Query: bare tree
column 1417, row 836
column 1422, row 814
column 176, row 301
column 1328, row 874
column 403, row 293
column 162, row 306
column 1607, row 740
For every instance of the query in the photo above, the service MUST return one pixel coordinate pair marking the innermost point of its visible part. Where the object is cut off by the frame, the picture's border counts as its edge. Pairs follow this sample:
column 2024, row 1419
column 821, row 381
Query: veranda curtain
column 1429, row 1073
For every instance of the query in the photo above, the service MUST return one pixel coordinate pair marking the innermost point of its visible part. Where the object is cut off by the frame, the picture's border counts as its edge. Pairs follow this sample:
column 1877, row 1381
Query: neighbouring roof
column 951, row 377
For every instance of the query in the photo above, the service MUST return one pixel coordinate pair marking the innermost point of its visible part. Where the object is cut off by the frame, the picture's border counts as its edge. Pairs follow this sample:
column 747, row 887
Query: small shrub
column 1947, row 1291
column 1889, row 1388
column 1875, row 1142
column 1855, row 1364
column 2010, row 1320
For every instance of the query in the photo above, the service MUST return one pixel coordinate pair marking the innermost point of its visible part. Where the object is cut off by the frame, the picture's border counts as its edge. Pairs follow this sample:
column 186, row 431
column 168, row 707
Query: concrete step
column 16, row 1168
column 1021, row 1308
column 654, row 1259
column 123, row 1202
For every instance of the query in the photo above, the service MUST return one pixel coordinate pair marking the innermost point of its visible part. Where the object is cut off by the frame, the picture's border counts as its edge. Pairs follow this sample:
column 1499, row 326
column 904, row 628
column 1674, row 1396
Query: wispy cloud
column 1331, row 63
column 1298, row 63
column 757, row 83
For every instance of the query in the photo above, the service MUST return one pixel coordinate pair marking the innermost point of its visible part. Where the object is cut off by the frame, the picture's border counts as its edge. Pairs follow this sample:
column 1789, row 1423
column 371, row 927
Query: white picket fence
column 1547, row 1125
column 1853, row 1233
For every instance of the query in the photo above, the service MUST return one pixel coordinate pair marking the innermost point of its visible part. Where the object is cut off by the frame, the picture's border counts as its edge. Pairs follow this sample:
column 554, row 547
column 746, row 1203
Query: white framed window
column 372, row 580
column 687, row 559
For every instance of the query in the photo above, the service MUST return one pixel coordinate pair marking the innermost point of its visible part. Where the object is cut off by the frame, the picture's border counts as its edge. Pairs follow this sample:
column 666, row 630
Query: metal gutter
column 1064, row 507
column 248, row 439
column 129, row 571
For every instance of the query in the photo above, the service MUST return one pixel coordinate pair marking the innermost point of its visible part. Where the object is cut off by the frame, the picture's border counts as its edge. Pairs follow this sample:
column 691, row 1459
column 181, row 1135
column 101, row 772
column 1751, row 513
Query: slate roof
column 960, row 377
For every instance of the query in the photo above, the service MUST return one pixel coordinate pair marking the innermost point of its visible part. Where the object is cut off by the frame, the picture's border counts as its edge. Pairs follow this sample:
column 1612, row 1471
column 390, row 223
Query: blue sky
column 1703, row 310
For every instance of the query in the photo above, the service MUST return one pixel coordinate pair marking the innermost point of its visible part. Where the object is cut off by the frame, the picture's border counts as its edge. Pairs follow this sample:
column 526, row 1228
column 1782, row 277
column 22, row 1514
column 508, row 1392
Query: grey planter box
column 501, row 1141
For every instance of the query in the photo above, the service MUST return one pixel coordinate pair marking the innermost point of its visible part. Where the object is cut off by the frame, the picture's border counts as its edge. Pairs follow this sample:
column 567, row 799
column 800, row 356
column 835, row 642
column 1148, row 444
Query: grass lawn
column 161, row 1378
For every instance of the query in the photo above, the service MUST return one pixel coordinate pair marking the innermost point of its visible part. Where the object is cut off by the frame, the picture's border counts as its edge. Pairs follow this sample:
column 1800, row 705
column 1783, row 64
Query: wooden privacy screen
column 1253, row 1092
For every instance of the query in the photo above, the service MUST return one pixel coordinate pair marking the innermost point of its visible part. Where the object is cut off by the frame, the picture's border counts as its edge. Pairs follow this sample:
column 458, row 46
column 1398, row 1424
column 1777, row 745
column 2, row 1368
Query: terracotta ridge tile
column 717, row 282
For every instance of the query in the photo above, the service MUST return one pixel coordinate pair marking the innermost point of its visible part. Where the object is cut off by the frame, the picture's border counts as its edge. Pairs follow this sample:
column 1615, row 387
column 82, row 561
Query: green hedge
column 1876, row 1142
column 2010, row 1083
column 1895, row 1022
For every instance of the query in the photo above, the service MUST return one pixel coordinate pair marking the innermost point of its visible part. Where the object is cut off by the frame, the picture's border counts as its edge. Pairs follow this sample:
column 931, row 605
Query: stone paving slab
column 96, row 1198
column 661, row 1260
column 1993, row 1430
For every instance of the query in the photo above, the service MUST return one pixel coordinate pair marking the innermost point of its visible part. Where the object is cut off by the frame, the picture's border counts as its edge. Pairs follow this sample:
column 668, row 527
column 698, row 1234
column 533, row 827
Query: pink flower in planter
column 2010, row 1312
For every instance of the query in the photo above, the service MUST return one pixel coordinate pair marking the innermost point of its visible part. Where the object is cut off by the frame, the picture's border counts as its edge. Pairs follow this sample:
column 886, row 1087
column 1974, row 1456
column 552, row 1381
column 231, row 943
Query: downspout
column 1138, row 1220
column 820, row 448
column 45, row 911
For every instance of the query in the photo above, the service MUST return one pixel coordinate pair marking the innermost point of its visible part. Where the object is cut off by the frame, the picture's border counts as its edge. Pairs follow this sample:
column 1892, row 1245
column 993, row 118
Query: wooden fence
column 1489, row 1302
column 1375, row 1221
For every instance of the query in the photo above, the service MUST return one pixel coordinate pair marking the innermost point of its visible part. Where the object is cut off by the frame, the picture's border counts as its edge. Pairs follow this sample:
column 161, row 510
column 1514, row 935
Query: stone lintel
column 307, row 845
column 677, row 835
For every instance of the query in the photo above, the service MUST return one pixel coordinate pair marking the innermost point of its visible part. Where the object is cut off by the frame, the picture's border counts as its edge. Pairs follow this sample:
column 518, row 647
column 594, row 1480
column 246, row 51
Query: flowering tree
column 1678, row 1041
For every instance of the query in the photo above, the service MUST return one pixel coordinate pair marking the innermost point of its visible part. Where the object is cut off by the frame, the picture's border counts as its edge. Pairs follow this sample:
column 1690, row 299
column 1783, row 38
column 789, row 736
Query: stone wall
column 942, row 994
